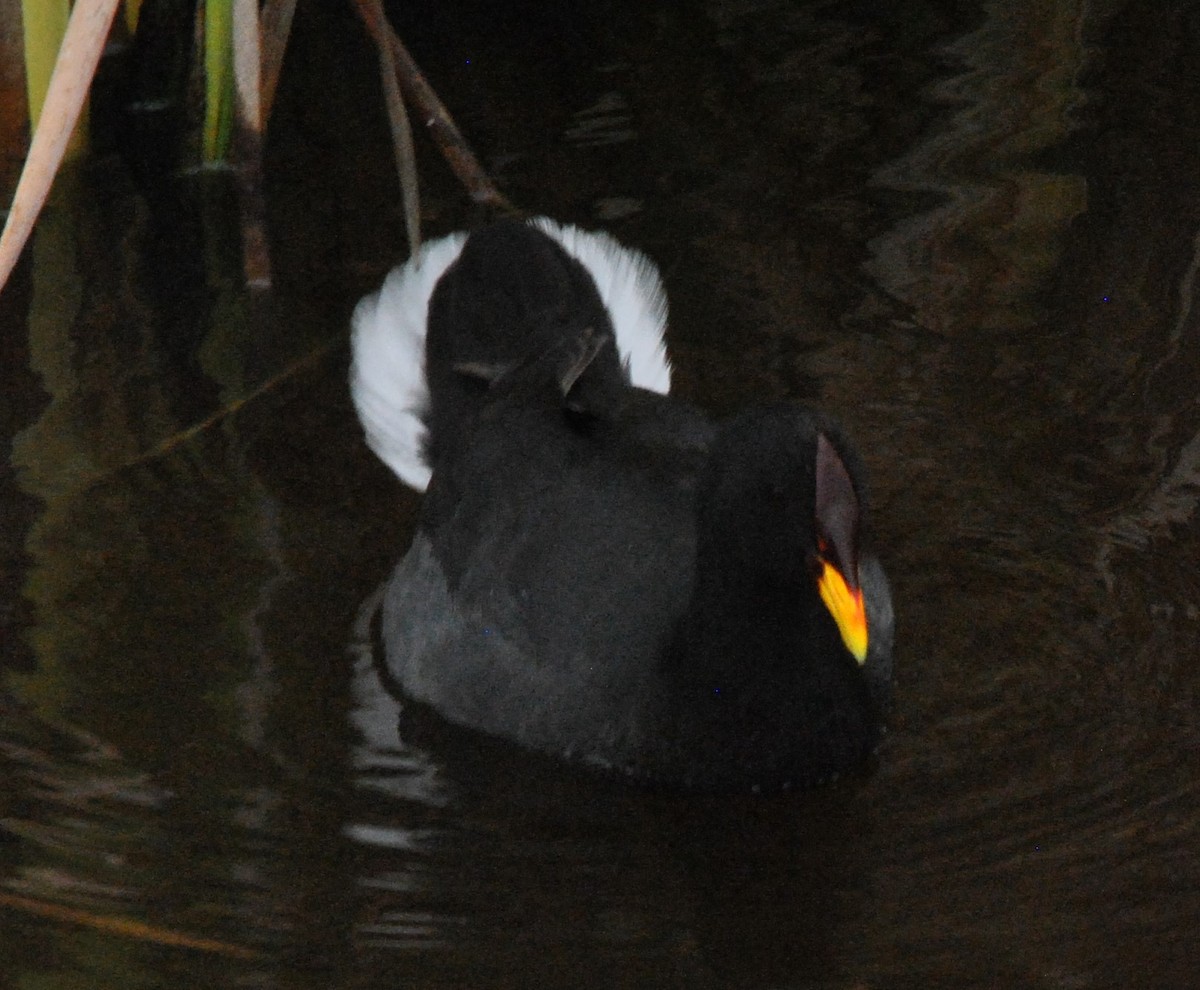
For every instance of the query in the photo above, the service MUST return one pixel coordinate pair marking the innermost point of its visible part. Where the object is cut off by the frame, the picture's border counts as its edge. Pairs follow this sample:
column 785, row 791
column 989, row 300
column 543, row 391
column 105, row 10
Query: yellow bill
column 846, row 607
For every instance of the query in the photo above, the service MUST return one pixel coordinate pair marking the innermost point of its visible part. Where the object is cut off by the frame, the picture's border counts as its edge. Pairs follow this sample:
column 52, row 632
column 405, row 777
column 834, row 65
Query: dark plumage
column 601, row 572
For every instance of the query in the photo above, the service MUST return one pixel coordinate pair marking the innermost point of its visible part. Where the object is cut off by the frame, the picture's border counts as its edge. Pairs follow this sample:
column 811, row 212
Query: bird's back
column 552, row 565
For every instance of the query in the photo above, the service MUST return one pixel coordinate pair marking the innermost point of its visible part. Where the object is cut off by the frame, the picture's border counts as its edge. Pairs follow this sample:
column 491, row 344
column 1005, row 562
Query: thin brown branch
column 402, row 142
column 178, row 439
column 276, row 24
column 124, row 927
column 437, row 118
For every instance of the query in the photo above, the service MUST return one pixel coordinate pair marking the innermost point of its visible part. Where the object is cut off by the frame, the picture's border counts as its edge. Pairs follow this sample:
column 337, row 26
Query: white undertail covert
column 387, row 370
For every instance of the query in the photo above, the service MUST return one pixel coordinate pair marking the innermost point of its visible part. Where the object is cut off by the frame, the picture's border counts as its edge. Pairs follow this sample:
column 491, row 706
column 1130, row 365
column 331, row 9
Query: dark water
column 970, row 230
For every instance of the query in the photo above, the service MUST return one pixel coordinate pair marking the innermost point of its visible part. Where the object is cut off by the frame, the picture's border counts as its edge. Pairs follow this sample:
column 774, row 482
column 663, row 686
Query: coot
column 601, row 571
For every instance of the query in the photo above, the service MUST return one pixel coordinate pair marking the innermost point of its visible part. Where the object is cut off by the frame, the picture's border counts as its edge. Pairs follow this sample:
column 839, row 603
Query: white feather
column 387, row 371
column 632, row 292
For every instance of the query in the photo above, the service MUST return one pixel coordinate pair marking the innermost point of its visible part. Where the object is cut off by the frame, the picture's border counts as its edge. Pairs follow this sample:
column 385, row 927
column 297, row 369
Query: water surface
column 971, row 231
